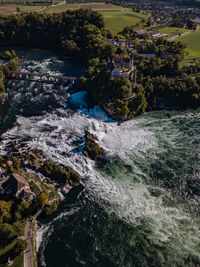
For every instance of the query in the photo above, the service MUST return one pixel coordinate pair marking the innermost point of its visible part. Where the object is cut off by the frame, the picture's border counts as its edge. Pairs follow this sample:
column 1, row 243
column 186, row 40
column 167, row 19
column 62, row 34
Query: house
column 140, row 33
column 120, row 67
column 18, row 186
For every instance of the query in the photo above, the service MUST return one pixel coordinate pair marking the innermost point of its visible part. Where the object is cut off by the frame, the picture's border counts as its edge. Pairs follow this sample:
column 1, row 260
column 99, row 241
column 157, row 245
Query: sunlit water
column 142, row 208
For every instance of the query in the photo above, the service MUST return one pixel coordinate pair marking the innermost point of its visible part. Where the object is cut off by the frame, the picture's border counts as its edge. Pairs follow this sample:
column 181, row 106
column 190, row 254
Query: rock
column 33, row 159
column 9, row 163
column 89, row 136
column 62, row 174
column 92, row 149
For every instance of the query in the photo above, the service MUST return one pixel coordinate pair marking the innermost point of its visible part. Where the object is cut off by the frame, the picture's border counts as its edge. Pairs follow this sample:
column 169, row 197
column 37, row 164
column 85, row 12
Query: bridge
column 42, row 77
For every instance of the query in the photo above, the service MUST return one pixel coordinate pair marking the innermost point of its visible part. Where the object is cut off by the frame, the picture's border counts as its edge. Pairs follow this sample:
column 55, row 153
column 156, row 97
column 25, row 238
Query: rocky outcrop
column 33, row 159
column 92, row 149
column 61, row 173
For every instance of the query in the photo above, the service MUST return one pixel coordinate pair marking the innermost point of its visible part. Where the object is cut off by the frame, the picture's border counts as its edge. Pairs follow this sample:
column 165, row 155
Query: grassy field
column 19, row 261
column 172, row 30
column 192, row 41
column 8, row 9
column 94, row 6
column 8, row 247
column 117, row 20
column 116, row 17
column 60, row 8
column 189, row 62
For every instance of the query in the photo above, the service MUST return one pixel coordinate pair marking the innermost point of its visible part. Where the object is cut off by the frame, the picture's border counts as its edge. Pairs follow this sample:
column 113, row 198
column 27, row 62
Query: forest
column 78, row 33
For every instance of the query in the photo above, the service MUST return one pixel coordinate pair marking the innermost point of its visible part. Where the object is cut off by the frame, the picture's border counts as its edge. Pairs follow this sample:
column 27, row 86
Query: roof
column 20, row 179
column 140, row 32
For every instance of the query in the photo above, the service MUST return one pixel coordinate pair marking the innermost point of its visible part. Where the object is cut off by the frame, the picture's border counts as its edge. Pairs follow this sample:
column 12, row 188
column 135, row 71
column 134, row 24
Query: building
column 120, row 67
column 18, row 186
column 140, row 33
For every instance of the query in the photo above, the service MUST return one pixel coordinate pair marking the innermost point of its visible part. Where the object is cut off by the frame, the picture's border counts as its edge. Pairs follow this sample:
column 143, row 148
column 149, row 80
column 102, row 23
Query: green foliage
column 59, row 172
column 7, row 232
column 25, row 208
column 20, row 246
column 79, row 33
column 182, row 92
column 18, row 261
column 19, row 228
column 7, row 55
column 92, row 149
column 52, row 170
column 2, row 89
column 5, row 211
column 13, row 64
column 50, row 209
column 42, row 199
column 6, row 70
column 34, row 188
column 122, row 88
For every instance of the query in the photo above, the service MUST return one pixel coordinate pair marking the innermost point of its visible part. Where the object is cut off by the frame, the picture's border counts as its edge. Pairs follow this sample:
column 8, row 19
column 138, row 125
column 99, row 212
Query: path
column 179, row 35
column 28, row 233
column 28, row 253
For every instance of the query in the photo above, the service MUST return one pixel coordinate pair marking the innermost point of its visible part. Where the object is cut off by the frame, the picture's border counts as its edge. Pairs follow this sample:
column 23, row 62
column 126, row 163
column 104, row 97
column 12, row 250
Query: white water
column 134, row 143
column 126, row 196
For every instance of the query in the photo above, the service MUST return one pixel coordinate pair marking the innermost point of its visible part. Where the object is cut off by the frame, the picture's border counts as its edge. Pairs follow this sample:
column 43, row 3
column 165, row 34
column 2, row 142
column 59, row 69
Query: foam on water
column 127, row 196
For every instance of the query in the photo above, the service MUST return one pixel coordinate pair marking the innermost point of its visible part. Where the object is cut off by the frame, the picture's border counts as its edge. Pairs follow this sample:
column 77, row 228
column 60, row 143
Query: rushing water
column 142, row 208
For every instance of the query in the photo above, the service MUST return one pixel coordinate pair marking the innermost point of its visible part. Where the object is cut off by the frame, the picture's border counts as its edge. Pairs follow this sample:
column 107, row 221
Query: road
column 28, row 253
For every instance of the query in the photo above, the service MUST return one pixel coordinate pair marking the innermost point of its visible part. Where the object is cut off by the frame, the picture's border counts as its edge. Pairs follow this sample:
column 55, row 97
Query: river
column 141, row 208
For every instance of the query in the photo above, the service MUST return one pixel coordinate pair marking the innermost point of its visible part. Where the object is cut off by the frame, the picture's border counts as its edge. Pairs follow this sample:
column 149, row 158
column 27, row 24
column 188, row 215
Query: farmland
column 115, row 17
column 192, row 41
column 172, row 30
column 12, row 8
column 117, row 20
column 94, row 6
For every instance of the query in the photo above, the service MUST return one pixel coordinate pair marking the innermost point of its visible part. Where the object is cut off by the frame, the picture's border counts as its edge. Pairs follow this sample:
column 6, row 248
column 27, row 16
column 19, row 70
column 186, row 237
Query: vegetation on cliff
column 119, row 97
column 60, row 173
column 92, row 149
column 16, row 209
column 11, row 64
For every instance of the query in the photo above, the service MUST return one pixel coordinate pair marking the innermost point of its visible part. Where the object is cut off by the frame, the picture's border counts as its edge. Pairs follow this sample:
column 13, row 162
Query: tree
column 5, row 211
column 19, row 228
column 42, row 199
column 6, row 233
column 20, row 246
column 25, row 208
column 122, row 88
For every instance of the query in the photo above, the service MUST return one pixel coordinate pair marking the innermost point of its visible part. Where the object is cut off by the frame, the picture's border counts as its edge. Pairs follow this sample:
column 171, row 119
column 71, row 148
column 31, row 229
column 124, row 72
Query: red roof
column 140, row 32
